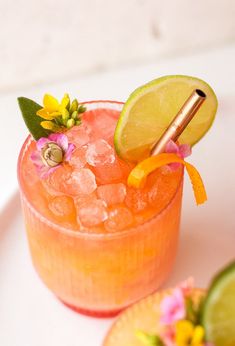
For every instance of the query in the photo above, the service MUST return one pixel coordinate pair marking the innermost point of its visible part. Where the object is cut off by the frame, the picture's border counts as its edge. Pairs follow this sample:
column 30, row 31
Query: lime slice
column 150, row 109
column 218, row 314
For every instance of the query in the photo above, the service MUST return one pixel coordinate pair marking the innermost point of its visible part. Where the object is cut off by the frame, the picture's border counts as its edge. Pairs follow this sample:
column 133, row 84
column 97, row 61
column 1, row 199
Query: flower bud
column 74, row 106
column 81, row 109
column 70, row 123
column 52, row 154
column 65, row 114
column 74, row 115
column 78, row 122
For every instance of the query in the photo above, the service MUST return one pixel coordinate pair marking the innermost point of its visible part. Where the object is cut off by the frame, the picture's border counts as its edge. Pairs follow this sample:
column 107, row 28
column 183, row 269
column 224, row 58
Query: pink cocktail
column 98, row 244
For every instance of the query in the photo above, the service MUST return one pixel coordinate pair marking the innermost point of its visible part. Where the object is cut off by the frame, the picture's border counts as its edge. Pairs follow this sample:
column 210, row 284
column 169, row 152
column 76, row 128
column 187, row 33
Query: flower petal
column 68, row 153
column 36, row 158
column 41, row 143
column 173, row 307
column 60, row 139
column 168, row 336
column 50, row 125
column 45, row 171
column 50, row 103
column 184, row 332
column 172, row 147
column 187, row 285
column 198, row 335
column 174, row 166
column 43, row 113
column 65, row 101
column 185, row 150
column 55, row 114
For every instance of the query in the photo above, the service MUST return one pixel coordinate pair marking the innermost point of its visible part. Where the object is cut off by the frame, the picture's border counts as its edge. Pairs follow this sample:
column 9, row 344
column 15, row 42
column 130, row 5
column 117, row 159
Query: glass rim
column 85, row 231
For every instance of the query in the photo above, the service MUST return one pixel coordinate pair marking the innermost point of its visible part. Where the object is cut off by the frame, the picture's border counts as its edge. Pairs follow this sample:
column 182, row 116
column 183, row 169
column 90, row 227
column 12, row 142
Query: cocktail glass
column 100, row 274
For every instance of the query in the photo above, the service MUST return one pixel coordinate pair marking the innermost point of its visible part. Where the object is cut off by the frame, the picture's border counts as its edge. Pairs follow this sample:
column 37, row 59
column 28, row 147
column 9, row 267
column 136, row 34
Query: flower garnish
column 173, row 307
column 149, row 339
column 51, row 152
column 168, row 335
column 182, row 150
column 179, row 327
column 189, row 335
column 59, row 115
column 187, row 286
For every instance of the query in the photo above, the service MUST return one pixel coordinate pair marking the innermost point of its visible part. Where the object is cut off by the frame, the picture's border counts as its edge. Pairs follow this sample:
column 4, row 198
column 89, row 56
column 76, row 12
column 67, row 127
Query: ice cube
column 86, row 127
column 136, row 199
column 106, row 123
column 153, row 194
column 80, row 200
column 102, row 122
column 108, row 173
column 112, row 193
column 111, row 172
column 158, row 194
column 162, row 188
column 78, row 136
column 99, row 153
column 78, row 158
column 92, row 213
column 81, row 181
column 55, row 183
column 118, row 219
column 70, row 181
column 62, row 207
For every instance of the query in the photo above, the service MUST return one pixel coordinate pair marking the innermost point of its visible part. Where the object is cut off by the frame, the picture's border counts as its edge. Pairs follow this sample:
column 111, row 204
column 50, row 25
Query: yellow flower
column 60, row 115
column 52, row 108
column 198, row 336
column 189, row 335
column 49, row 125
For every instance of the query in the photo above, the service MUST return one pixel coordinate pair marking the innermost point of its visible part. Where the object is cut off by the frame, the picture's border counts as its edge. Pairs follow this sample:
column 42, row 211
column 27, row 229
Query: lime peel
column 138, row 175
column 218, row 311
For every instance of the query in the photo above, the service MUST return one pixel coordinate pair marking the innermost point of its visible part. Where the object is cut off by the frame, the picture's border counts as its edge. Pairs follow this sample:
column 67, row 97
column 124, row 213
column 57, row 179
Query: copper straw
column 181, row 120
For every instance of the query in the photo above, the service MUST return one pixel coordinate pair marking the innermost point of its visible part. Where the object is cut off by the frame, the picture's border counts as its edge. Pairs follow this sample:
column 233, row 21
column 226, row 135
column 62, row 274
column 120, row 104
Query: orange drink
column 98, row 244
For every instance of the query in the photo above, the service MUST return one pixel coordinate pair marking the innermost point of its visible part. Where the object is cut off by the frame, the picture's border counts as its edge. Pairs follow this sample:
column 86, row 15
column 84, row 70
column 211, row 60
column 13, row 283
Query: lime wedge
column 150, row 109
column 218, row 314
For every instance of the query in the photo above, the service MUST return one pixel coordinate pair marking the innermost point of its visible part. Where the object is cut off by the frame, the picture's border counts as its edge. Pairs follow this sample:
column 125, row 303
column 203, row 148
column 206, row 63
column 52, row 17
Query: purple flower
column 51, row 152
column 182, row 150
column 173, row 307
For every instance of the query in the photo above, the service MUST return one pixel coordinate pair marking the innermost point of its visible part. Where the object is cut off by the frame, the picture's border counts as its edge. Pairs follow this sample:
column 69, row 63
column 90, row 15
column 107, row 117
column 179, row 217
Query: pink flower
column 168, row 336
column 51, row 152
column 187, row 286
column 182, row 150
column 173, row 307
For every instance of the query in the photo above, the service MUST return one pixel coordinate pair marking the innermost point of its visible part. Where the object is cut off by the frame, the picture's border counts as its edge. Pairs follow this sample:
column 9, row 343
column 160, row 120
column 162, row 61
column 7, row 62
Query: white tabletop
column 29, row 314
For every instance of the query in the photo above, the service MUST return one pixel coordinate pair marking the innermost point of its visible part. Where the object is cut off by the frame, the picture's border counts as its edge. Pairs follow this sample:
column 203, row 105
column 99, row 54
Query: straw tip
column 200, row 93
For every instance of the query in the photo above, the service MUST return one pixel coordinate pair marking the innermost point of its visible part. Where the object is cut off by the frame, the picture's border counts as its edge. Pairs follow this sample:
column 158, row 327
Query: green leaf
column 192, row 310
column 32, row 120
column 149, row 339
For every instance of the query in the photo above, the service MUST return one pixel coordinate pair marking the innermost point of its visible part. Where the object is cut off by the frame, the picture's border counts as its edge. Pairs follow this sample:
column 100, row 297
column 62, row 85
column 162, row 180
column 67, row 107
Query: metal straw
column 181, row 120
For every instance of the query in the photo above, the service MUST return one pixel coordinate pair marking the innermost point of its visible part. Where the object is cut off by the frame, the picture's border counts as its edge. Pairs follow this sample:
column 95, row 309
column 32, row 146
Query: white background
column 53, row 40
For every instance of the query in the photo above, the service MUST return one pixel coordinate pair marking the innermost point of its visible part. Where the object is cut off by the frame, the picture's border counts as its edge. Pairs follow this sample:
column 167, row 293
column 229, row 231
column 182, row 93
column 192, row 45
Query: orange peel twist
column 138, row 175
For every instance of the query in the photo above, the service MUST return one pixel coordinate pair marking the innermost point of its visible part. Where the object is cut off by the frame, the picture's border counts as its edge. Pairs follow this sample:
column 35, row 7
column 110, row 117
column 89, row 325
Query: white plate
column 31, row 315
